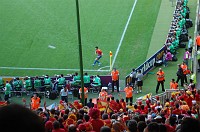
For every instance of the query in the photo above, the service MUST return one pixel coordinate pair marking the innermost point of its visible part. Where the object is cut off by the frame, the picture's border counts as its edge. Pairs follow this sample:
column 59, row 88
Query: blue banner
column 149, row 64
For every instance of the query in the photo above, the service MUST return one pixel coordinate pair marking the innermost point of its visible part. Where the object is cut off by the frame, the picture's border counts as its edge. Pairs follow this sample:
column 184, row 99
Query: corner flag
column 110, row 60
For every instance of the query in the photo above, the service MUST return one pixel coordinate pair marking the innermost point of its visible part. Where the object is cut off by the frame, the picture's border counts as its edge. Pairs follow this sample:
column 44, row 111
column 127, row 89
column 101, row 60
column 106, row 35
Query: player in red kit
column 99, row 55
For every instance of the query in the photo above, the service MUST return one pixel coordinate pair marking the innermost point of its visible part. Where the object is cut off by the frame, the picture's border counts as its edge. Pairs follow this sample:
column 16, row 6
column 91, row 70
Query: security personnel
column 185, row 71
column 129, row 93
column 115, row 79
column 160, row 80
column 173, row 84
column 85, row 94
column 35, row 102
column 198, row 41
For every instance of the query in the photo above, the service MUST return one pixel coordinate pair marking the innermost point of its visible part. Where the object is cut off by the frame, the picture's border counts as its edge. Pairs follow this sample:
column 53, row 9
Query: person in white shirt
column 64, row 94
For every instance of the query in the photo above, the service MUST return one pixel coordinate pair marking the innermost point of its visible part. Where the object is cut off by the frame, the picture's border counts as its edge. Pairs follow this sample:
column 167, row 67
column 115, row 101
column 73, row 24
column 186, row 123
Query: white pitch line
column 51, row 46
column 120, row 42
column 50, row 69
column 103, row 67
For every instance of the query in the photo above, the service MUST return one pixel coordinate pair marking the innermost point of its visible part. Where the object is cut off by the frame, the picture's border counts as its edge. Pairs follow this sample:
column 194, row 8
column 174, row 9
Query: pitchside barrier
column 149, row 64
column 162, row 97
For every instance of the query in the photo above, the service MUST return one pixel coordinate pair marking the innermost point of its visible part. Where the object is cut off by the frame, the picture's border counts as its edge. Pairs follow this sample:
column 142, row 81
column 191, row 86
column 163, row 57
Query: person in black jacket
column 90, row 104
column 179, row 74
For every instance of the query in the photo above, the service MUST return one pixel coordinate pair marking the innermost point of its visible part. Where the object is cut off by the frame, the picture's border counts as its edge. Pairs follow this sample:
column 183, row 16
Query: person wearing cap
column 160, row 80
column 99, row 54
column 129, row 93
column 115, row 79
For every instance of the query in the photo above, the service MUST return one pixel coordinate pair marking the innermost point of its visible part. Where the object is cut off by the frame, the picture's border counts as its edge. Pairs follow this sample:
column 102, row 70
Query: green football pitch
column 40, row 36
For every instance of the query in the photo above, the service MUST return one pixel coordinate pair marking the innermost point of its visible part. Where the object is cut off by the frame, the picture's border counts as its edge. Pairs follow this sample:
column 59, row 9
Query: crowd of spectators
column 179, row 113
column 178, row 32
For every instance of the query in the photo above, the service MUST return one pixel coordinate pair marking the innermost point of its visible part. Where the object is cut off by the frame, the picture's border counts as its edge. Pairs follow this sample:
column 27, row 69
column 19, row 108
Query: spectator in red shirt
column 56, row 127
column 118, row 106
column 123, row 104
column 197, row 97
column 176, row 111
column 95, row 121
column 113, row 103
column 189, row 99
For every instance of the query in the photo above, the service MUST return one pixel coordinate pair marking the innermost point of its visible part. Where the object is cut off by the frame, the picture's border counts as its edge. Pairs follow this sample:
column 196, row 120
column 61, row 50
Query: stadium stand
column 175, row 110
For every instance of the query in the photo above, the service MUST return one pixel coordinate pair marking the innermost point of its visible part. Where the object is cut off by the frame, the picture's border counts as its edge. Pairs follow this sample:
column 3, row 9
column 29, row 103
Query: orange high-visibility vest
column 35, row 103
column 85, row 92
column 173, row 85
column 184, row 67
column 160, row 76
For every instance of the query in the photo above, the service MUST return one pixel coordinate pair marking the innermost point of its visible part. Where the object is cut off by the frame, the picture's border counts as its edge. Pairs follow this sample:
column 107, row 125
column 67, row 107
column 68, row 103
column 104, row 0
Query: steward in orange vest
column 35, row 102
column 160, row 79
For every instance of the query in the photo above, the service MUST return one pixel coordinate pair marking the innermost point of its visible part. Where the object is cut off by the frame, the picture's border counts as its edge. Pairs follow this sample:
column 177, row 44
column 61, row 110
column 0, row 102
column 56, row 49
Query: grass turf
column 29, row 27
column 25, row 44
